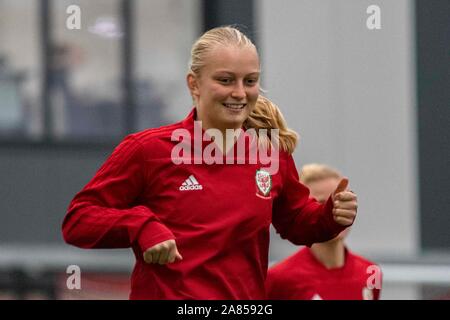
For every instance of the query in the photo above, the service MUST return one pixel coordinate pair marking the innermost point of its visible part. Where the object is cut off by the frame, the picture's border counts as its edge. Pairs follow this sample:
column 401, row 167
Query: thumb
column 178, row 255
column 342, row 186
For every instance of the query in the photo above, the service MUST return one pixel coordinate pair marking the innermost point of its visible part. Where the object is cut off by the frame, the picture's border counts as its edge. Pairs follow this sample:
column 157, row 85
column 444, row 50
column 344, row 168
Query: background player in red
column 200, row 230
column 326, row 270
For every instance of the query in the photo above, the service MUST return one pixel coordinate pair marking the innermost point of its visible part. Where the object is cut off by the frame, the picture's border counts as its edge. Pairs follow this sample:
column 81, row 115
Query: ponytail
column 267, row 115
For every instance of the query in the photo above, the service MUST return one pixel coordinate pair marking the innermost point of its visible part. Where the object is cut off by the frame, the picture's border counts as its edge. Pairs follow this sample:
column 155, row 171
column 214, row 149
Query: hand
column 162, row 253
column 345, row 204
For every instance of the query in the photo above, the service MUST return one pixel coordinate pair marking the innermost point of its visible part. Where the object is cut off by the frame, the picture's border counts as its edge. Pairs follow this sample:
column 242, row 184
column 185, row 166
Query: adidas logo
column 191, row 184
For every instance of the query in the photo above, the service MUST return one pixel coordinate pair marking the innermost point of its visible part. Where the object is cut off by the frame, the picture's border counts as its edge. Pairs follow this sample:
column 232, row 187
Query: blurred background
column 372, row 103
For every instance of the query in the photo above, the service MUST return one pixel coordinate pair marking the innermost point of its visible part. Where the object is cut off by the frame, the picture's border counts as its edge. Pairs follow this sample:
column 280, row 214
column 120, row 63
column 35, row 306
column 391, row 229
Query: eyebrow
column 256, row 73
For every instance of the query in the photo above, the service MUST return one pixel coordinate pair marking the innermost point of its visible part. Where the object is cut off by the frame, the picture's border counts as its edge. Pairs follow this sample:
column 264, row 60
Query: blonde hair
column 316, row 172
column 265, row 114
column 225, row 36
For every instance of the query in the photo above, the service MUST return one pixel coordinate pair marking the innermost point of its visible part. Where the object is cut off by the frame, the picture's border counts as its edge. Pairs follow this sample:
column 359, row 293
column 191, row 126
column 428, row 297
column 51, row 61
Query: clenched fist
column 162, row 253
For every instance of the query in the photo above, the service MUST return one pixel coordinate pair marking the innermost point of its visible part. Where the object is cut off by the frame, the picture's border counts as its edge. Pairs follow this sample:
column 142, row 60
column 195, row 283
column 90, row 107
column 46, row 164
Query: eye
column 251, row 82
column 225, row 80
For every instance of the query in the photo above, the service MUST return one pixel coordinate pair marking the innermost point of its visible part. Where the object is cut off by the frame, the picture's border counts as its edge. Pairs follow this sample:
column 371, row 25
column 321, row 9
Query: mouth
column 234, row 106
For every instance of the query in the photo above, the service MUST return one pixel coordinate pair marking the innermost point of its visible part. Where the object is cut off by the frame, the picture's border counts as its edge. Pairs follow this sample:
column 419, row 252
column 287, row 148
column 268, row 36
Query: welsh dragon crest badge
column 263, row 183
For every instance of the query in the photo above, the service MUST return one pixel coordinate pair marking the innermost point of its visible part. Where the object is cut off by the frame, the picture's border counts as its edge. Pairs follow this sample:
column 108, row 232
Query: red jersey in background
column 303, row 277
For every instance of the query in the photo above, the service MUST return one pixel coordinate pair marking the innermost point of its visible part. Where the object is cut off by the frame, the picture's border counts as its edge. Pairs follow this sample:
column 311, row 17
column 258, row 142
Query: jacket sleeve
column 105, row 214
column 299, row 218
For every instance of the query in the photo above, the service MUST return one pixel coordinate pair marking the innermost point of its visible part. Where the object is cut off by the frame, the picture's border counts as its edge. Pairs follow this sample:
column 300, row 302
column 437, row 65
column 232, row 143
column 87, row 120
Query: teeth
column 234, row 106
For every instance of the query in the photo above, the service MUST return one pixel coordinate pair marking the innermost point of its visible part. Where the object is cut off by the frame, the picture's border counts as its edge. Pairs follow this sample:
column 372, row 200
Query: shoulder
column 286, row 162
column 361, row 261
column 153, row 135
column 291, row 272
column 285, row 156
column 151, row 143
column 292, row 262
column 154, row 143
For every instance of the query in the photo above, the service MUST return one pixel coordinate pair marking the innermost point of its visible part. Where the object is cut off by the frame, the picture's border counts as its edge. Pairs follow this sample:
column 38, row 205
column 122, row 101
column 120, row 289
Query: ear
column 192, row 83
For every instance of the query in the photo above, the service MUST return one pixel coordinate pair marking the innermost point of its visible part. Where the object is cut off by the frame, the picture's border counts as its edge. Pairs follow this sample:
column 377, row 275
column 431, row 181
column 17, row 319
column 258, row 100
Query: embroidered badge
column 263, row 183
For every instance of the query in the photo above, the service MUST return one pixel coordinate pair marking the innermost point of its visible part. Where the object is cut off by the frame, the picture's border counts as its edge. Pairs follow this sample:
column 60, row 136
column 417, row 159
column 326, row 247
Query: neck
column 227, row 143
column 331, row 254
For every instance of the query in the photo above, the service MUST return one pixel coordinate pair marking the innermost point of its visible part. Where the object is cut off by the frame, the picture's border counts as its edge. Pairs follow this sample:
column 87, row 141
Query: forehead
column 232, row 59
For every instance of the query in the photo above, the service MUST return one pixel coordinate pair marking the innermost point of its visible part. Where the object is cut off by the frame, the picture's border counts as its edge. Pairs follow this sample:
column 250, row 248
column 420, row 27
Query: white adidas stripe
column 191, row 184
column 193, row 179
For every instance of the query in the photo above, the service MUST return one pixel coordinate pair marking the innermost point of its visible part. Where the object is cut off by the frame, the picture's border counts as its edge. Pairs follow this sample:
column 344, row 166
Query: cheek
column 218, row 93
column 254, row 92
column 253, row 95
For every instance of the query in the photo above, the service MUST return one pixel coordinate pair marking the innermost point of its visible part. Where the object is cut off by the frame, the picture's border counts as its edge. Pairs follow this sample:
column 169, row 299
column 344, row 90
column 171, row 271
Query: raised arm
column 301, row 219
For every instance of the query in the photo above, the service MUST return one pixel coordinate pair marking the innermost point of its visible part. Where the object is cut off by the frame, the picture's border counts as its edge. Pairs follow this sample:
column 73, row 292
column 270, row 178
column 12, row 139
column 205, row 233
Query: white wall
column 349, row 92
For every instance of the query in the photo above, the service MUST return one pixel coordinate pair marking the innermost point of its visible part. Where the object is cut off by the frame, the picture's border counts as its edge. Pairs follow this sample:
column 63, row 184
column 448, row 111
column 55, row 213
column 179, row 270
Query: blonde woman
column 327, row 270
column 200, row 229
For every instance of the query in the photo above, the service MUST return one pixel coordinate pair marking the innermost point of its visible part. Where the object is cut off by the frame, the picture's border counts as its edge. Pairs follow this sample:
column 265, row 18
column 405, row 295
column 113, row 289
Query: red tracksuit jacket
column 303, row 277
column 139, row 198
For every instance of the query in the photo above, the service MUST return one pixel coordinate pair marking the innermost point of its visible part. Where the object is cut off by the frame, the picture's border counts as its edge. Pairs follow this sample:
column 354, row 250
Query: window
column 82, row 87
column 20, row 70
column 165, row 32
column 86, row 94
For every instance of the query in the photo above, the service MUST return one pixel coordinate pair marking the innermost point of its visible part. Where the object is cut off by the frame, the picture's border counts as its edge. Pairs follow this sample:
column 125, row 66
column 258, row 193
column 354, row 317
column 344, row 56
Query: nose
column 238, row 91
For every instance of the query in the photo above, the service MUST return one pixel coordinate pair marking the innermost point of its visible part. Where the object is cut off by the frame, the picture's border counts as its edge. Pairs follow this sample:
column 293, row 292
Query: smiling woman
column 226, row 87
column 201, row 230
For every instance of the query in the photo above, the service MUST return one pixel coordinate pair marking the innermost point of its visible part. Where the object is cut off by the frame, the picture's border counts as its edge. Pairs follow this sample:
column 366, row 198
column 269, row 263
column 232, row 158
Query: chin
column 235, row 120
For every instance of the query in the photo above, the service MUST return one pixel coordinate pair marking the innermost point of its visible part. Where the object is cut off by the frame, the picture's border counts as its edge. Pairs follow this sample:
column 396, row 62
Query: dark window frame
column 214, row 13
